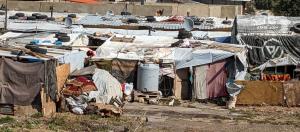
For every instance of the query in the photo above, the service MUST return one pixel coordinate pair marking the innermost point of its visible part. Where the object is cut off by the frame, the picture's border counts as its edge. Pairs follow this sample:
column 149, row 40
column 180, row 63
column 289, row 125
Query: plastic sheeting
column 78, row 104
column 216, row 78
column 200, row 82
column 108, row 87
column 263, row 48
column 201, row 57
column 285, row 61
column 131, row 50
column 75, row 59
column 265, row 24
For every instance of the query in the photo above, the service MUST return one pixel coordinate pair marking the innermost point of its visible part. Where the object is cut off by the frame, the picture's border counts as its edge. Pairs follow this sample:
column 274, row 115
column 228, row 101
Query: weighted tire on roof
column 296, row 28
column 20, row 14
column 13, row 17
column 64, row 38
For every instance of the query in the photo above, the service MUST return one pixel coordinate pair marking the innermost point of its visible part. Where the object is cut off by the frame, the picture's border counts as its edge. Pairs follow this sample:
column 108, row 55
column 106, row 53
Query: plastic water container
column 148, row 77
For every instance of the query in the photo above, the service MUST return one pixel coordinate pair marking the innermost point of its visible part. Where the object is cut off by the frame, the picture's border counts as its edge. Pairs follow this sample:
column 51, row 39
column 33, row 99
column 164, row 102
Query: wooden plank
column 48, row 106
column 181, row 89
column 62, row 73
column 260, row 93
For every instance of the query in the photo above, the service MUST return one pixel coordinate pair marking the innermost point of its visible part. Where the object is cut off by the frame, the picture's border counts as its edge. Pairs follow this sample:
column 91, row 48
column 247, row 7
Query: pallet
column 143, row 97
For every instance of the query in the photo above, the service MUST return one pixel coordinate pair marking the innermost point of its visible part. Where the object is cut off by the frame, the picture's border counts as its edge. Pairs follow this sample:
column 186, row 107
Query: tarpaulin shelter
column 267, row 37
column 32, row 78
column 210, row 54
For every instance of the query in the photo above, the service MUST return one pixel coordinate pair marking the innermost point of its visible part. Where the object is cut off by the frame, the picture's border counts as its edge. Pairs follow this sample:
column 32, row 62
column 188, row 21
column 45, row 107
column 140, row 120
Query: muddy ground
column 186, row 117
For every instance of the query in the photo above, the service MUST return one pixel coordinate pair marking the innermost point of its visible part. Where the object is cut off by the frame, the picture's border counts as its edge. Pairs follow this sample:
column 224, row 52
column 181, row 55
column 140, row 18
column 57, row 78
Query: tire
column 13, row 17
column 210, row 22
column 18, row 52
column 59, row 34
column 132, row 20
column 20, row 14
column 2, row 12
column 227, row 22
column 150, row 19
column 296, row 28
column 182, row 34
column 72, row 15
column 36, row 14
column 196, row 20
column 197, row 23
column 31, row 18
column 64, row 38
column 36, row 49
column 125, row 13
column 41, row 17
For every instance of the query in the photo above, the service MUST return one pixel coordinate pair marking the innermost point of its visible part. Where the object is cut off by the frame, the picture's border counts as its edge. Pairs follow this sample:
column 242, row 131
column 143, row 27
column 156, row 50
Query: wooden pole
column 5, row 21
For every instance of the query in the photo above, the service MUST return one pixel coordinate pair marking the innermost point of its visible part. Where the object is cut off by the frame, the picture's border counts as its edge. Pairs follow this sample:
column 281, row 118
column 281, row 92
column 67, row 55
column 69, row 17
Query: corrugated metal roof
column 265, row 24
column 117, row 21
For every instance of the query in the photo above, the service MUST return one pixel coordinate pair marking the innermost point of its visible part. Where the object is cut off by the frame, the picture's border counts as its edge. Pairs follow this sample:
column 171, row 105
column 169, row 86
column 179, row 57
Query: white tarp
column 108, row 87
column 132, row 50
column 285, row 61
column 201, row 57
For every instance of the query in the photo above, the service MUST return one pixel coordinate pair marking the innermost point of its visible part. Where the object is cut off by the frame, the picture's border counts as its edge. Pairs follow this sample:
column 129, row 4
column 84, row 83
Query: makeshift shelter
column 36, row 78
column 267, row 37
column 273, row 56
column 127, row 53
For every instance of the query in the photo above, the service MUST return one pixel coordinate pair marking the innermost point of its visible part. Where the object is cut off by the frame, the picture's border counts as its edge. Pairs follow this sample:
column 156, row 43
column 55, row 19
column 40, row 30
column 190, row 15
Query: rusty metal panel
column 261, row 93
column 292, row 93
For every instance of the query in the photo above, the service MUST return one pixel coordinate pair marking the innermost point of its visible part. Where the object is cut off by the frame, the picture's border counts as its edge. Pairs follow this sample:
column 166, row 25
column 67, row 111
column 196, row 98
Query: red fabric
column 216, row 79
column 123, row 86
column 175, row 19
column 90, row 53
column 84, row 1
column 274, row 77
column 78, row 86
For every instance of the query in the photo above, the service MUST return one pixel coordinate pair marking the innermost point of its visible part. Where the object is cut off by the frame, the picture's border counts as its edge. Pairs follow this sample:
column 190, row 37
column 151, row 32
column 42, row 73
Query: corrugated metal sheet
column 117, row 21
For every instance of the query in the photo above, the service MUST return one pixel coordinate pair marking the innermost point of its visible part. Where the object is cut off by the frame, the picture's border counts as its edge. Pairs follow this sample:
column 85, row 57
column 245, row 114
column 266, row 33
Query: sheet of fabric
column 84, row 71
column 20, row 82
column 75, row 59
column 285, row 61
column 51, row 79
column 200, row 82
column 78, row 104
column 216, row 78
column 124, row 70
column 201, row 57
column 263, row 48
column 107, row 86
column 276, row 77
column 78, row 86
column 235, row 71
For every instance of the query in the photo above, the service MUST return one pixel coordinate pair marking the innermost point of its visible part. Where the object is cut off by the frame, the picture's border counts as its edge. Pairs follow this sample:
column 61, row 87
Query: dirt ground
column 186, row 117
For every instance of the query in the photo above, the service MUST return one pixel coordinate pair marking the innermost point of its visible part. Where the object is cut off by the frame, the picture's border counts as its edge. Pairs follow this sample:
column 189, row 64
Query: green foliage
column 7, row 119
column 56, row 122
column 280, row 7
column 5, row 129
column 37, row 115
column 31, row 123
column 286, row 7
column 263, row 4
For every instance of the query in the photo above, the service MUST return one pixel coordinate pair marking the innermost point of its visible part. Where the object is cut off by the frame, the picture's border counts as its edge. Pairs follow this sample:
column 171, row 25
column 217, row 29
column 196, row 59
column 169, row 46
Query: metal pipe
column 5, row 21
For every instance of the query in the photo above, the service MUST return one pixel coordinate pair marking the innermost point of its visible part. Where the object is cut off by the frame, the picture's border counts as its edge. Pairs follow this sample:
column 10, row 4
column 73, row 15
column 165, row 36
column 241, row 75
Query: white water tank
column 148, row 77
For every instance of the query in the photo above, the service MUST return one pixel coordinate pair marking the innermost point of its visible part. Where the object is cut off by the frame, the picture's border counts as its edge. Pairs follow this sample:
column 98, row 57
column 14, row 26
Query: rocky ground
column 186, row 117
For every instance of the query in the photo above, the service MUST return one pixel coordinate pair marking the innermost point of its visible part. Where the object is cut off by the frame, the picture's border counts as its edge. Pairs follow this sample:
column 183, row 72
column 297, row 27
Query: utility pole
column 5, row 21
